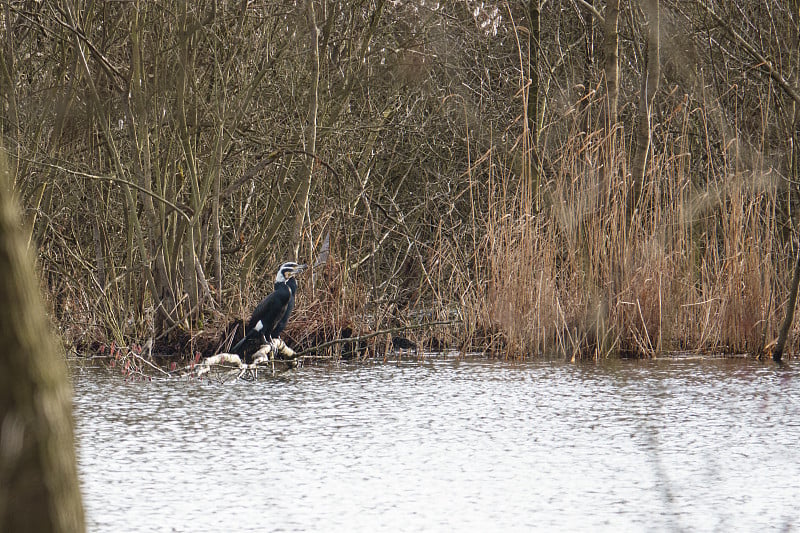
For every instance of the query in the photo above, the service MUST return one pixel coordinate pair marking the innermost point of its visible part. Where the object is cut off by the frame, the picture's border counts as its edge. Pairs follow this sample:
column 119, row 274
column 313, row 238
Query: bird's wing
column 270, row 311
column 287, row 310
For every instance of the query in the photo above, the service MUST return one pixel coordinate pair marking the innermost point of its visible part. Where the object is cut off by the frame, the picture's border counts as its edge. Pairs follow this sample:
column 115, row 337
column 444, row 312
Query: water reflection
column 446, row 445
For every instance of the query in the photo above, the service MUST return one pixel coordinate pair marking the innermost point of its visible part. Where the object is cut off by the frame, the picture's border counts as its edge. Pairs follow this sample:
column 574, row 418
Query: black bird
column 270, row 316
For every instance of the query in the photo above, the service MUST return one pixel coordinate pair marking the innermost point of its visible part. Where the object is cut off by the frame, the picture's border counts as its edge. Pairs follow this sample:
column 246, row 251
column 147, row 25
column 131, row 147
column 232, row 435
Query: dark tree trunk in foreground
column 38, row 476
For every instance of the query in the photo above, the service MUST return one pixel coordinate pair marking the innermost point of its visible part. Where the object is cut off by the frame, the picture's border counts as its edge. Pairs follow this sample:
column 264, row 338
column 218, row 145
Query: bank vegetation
column 576, row 177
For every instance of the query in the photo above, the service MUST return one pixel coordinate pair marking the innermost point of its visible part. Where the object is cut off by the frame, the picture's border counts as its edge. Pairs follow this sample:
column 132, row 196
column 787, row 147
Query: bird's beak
column 300, row 268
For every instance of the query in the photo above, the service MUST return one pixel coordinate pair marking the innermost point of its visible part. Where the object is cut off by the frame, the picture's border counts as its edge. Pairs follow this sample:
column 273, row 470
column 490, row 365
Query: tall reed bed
column 574, row 265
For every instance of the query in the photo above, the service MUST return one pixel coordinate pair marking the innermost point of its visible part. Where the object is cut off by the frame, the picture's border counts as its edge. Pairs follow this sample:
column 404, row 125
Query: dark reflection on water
column 450, row 445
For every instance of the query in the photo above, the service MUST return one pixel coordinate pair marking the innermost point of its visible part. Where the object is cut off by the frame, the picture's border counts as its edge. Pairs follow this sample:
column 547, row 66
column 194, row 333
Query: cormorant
column 271, row 315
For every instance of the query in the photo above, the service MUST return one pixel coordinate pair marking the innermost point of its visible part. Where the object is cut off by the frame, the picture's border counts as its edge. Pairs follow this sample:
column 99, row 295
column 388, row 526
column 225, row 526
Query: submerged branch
column 374, row 334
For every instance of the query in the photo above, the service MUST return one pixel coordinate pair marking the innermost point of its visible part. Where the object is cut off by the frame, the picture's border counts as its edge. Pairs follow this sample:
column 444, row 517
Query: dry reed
column 692, row 268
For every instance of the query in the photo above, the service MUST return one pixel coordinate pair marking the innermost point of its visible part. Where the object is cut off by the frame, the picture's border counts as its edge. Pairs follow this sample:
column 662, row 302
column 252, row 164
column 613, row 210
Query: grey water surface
column 445, row 444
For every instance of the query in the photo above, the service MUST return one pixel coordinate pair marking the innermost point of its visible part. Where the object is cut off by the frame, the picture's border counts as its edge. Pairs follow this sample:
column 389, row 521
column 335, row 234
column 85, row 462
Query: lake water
column 447, row 445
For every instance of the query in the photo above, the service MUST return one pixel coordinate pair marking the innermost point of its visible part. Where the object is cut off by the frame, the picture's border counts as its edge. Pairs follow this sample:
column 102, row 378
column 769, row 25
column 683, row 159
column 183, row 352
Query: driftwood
column 265, row 354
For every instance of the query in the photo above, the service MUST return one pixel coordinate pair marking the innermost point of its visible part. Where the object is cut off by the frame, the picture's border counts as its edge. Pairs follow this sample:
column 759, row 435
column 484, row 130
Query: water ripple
column 446, row 445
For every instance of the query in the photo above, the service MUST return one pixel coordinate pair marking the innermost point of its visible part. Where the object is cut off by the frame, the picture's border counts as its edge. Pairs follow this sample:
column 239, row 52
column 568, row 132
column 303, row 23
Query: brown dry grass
column 692, row 268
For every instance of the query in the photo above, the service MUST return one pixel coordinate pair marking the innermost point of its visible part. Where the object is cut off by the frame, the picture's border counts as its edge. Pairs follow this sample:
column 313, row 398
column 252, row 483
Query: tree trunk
column 650, row 80
column 216, row 230
column 7, row 69
column 611, row 60
column 534, row 109
column 39, row 488
column 534, row 112
column 159, row 280
column 783, row 334
column 311, row 130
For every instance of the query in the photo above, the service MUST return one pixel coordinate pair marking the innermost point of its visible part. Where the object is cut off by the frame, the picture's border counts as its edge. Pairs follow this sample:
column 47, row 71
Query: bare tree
column 534, row 50
column 611, row 59
column 650, row 80
column 310, row 126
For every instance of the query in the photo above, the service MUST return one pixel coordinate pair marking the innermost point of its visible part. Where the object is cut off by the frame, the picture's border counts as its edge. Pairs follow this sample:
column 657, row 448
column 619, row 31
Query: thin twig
column 599, row 16
column 148, row 363
column 114, row 179
column 763, row 62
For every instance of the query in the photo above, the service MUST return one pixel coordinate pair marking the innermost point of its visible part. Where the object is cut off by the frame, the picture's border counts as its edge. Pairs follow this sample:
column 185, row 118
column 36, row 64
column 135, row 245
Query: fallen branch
column 263, row 355
column 360, row 338
column 148, row 363
column 219, row 359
